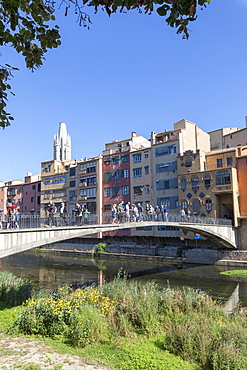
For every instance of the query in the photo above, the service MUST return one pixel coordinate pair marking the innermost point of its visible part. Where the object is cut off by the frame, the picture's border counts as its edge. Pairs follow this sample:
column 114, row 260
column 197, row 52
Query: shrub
column 215, row 342
column 87, row 326
column 51, row 316
column 137, row 306
column 100, row 248
column 13, row 290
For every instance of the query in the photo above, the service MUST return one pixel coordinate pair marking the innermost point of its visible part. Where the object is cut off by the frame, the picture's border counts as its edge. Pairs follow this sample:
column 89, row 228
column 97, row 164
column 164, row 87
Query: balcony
column 11, row 192
column 223, row 188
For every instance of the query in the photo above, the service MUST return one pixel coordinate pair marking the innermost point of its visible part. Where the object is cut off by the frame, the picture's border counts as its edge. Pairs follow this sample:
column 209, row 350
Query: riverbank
column 127, row 326
column 177, row 253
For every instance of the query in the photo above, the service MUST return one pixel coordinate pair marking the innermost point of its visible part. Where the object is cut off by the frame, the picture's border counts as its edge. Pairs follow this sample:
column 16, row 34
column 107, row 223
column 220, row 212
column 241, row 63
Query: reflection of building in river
column 232, row 303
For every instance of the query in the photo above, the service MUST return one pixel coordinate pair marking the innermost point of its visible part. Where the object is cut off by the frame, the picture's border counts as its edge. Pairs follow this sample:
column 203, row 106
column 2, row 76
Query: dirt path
column 17, row 353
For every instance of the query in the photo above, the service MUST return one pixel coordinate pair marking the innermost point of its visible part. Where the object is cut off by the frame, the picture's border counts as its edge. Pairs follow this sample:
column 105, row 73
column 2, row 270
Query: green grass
column 8, row 316
column 136, row 354
column 238, row 273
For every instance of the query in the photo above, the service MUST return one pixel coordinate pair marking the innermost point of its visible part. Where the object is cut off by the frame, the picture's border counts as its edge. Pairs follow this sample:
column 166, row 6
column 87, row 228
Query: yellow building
column 208, row 185
column 54, row 183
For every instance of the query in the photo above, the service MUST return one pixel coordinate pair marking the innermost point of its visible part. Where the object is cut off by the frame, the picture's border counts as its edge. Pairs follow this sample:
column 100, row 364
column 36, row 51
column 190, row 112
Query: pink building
column 31, row 194
column 25, row 195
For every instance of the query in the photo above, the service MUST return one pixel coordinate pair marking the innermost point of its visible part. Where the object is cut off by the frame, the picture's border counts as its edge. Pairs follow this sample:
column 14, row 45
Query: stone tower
column 62, row 144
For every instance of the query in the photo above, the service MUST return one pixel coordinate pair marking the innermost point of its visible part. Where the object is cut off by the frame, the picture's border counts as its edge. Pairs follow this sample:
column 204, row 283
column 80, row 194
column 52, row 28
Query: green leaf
column 162, row 10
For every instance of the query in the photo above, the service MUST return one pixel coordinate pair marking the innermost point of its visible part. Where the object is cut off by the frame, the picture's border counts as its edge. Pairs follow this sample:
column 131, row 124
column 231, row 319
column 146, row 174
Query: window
column 58, row 179
column 47, row 168
column 72, row 171
column 72, row 184
column 137, row 172
column 166, row 184
column 188, row 162
column 91, row 180
column 184, row 204
column 47, row 182
column 166, row 167
column 137, row 190
column 125, row 173
column 32, row 199
column 72, row 195
column 115, row 191
column 107, row 161
column 146, row 168
column 125, row 190
column 38, row 199
column 219, row 163
column 90, row 166
column 183, row 184
column 165, row 150
column 196, row 205
column 115, row 160
column 137, row 158
column 107, row 192
column 88, row 193
column 223, row 178
column 115, row 175
column 107, row 177
column 20, row 201
column 125, row 158
column 208, row 205
column 11, row 192
column 195, row 183
column 229, row 161
column 33, row 187
column 107, row 207
column 39, row 186
column 207, row 181
column 145, row 154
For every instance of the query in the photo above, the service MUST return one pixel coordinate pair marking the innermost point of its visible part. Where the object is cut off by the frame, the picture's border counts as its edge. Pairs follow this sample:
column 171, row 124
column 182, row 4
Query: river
column 48, row 269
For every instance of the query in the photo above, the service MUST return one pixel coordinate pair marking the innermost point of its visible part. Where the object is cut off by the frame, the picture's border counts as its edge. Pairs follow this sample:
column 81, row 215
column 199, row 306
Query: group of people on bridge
column 80, row 214
column 136, row 213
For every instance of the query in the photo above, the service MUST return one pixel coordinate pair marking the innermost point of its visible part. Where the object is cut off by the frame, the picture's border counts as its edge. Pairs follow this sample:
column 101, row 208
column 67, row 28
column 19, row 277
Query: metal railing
column 25, row 221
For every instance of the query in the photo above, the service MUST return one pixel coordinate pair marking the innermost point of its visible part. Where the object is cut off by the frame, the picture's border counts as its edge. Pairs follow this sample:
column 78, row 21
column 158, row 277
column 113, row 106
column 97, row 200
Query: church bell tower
column 62, row 144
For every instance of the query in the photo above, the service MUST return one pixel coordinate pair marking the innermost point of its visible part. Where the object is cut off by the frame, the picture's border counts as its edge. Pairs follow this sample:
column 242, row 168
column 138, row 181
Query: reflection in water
column 233, row 301
column 53, row 269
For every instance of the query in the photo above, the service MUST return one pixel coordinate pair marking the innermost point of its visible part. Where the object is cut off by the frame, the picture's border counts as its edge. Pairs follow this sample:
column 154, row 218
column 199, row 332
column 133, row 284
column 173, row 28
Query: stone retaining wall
column 180, row 253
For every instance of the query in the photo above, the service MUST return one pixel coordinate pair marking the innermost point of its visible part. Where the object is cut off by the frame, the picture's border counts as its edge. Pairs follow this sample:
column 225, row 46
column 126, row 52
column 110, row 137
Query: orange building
column 242, row 179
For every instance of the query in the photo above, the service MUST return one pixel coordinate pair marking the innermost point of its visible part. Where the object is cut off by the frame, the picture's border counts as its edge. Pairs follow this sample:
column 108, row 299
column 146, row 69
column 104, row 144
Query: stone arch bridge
column 19, row 240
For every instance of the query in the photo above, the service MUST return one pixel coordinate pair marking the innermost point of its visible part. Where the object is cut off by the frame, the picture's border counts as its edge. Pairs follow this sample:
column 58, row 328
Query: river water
column 47, row 269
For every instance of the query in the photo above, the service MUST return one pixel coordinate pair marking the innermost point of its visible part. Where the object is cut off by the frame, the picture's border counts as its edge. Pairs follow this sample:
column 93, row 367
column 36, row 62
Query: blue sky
column 129, row 72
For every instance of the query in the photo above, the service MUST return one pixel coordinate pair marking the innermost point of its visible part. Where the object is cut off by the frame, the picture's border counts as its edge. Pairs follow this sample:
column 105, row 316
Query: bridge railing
column 25, row 221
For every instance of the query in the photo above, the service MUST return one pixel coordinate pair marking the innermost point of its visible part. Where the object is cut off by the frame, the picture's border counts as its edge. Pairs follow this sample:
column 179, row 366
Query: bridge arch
column 15, row 241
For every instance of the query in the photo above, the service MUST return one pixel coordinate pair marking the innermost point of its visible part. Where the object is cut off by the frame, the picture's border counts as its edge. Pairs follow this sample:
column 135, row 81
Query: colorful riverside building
column 87, row 183
column 208, row 185
column 242, row 181
column 166, row 147
column 70, row 180
column 25, row 195
column 116, row 164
